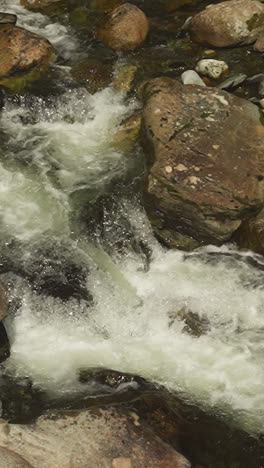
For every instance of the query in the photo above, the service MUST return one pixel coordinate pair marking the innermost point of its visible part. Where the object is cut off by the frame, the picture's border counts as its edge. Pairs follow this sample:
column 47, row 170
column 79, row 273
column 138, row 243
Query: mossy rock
column 25, row 56
column 124, row 77
column 127, row 135
column 80, row 16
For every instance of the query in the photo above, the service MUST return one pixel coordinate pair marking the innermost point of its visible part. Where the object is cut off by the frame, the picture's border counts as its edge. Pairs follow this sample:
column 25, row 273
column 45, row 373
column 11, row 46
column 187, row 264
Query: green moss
column 17, row 83
column 256, row 21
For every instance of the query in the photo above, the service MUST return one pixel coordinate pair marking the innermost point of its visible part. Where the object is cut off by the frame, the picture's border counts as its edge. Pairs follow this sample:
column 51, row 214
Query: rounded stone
column 125, row 28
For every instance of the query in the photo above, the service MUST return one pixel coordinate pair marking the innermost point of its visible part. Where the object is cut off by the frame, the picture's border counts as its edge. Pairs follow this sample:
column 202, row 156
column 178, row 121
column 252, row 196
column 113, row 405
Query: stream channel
column 71, row 214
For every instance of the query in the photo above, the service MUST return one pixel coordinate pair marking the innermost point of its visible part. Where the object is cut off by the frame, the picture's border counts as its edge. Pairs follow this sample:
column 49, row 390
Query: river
column 56, row 156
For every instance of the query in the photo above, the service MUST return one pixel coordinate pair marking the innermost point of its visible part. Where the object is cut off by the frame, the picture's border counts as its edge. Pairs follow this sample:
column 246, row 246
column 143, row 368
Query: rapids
column 54, row 153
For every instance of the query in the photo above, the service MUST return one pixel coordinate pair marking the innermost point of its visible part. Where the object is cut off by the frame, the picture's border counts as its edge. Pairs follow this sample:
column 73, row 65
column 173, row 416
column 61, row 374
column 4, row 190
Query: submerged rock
column 233, row 82
column 125, row 28
column 90, row 439
column 212, row 68
column 50, row 7
column 229, row 23
column 205, row 152
column 92, row 73
column 24, row 55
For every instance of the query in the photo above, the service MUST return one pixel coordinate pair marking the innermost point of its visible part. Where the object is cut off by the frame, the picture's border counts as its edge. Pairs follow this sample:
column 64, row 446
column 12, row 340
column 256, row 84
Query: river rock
column 205, row 152
column 10, row 459
column 191, row 77
column 90, row 439
column 229, row 23
column 250, row 235
column 212, row 68
column 24, row 54
column 6, row 18
column 259, row 44
column 232, row 82
column 125, row 28
column 128, row 132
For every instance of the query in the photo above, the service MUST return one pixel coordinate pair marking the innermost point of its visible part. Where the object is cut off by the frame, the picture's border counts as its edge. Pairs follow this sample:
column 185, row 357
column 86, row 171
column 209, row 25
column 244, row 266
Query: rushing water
column 58, row 153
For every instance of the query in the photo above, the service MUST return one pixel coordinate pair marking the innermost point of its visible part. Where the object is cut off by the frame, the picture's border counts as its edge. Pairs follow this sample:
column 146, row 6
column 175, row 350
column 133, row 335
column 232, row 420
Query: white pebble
column 191, row 77
column 212, row 68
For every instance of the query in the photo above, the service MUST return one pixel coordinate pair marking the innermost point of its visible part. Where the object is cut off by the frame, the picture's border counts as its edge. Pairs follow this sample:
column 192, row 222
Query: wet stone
column 190, row 77
column 6, row 18
column 212, row 68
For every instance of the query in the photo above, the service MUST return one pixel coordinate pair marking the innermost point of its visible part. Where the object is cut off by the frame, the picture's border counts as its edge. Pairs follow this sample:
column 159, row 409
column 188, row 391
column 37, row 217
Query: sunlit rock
column 205, row 169
column 212, row 68
column 90, row 439
column 24, row 56
column 125, row 28
column 228, row 23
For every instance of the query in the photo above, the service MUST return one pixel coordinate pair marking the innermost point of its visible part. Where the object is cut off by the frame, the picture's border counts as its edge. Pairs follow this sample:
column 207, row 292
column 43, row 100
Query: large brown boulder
column 205, row 151
column 90, row 439
column 23, row 54
column 10, row 459
column 125, row 28
column 230, row 23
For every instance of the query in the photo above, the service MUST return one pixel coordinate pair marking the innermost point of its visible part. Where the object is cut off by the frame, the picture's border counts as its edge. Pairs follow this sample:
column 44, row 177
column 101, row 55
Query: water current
column 54, row 153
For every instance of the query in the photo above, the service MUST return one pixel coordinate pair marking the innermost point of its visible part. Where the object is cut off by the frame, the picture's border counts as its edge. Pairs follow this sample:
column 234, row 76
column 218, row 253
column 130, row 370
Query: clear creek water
column 58, row 151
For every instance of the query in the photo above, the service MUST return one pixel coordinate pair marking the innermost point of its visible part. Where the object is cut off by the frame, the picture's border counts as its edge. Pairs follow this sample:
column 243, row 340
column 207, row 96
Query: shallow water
column 58, row 158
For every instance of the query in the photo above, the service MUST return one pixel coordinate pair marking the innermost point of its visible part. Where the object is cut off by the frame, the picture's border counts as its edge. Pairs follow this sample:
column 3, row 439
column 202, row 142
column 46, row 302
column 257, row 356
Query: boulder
column 10, row 459
column 230, row 23
column 125, row 28
column 205, row 152
column 90, row 439
column 24, row 55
